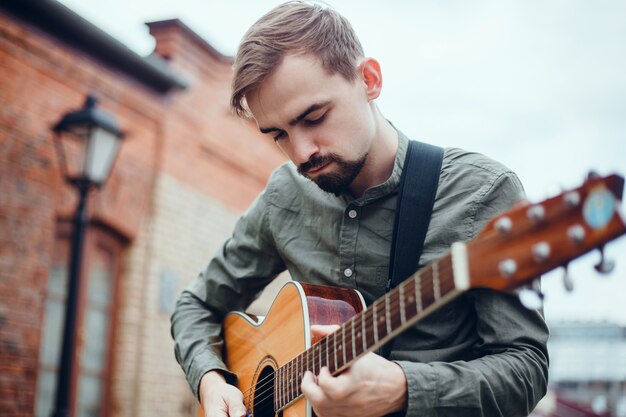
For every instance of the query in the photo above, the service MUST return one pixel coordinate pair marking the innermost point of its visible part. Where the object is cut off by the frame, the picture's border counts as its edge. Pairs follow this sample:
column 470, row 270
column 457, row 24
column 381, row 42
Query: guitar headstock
column 531, row 239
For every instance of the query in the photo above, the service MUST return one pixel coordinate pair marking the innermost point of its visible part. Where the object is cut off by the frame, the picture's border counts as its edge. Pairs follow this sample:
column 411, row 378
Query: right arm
column 239, row 271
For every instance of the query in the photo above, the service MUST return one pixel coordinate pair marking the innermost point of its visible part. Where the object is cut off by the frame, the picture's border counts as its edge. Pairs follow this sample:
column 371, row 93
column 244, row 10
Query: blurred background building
column 588, row 365
column 186, row 170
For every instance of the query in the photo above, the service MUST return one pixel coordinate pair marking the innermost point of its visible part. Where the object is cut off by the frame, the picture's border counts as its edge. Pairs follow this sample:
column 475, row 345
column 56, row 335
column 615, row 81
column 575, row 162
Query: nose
column 302, row 148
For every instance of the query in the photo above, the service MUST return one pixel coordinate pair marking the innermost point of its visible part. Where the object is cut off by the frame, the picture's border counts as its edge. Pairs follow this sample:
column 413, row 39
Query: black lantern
column 87, row 142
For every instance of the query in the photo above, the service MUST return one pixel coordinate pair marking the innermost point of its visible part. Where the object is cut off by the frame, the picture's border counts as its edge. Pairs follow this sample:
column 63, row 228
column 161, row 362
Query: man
column 327, row 218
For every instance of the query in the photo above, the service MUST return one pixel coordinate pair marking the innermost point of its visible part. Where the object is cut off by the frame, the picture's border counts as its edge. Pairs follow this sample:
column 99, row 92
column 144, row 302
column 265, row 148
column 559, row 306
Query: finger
column 321, row 330
column 213, row 411
column 234, row 403
column 236, row 410
column 334, row 387
column 310, row 389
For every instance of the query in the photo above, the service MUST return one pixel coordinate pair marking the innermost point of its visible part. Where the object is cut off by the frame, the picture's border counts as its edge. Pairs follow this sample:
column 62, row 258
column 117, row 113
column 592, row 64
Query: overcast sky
column 537, row 85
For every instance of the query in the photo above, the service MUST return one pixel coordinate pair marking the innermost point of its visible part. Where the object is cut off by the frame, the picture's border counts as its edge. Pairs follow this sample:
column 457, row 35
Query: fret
column 319, row 356
column 290, row 392
column 283, row 377
column 402, row 310
column 410, row 303
column 298, row 377
column 335, row 349
column 436, row 285
column 381, row 324
column 283, row 383
column 294, row 379
column 418, row 293
column 364, row 331
column 387, row 313
column 277, row 404
column 288, row 378
column 326, row 339
column 353, row 342
column 343, row 344
column 447, row 281
column 279, row 373
column 374, row 323
column 300, row 370
column 367, row 328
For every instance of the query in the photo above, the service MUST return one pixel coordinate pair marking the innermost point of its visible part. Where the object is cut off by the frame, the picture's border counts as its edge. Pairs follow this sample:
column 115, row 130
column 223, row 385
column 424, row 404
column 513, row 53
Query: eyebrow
column 298, row 118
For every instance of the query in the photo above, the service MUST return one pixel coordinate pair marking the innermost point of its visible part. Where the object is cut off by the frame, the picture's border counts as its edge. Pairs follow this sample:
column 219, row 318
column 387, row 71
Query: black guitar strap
column 416, row 197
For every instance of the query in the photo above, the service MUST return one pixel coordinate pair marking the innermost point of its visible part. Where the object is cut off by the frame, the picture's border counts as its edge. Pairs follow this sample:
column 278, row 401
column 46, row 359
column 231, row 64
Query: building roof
column 62, row 23
column 192, row 35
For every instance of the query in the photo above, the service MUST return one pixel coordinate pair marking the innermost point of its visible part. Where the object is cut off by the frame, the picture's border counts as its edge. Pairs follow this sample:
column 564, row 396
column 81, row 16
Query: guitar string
column 289, row 388
column 261, row 396
column 487, row 239
column 394, row 307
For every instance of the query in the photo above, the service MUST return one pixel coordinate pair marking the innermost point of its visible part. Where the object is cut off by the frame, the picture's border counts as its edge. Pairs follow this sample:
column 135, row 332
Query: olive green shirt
column 481, row 355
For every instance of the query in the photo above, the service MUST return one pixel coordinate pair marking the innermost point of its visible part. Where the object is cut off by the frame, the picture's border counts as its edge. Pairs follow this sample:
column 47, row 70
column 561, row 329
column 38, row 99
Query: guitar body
column 254, row 349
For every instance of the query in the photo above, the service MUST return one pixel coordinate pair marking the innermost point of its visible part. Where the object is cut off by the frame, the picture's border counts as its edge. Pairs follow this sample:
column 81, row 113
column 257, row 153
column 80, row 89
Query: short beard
column 336, row 182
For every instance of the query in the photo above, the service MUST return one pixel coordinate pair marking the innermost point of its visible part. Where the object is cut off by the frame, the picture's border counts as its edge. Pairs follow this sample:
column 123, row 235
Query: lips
column 316, row 164
column 316, row 170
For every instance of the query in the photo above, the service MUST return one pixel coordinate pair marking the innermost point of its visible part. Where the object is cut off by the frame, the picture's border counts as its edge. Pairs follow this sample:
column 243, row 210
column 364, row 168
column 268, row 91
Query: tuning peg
column 605, row 266
column 536, row 213
column 531, row 299
column 576, row 233
column 592, row 175
column 504, row 225
column 541, row 251
column 572, row 199
column 567, row 280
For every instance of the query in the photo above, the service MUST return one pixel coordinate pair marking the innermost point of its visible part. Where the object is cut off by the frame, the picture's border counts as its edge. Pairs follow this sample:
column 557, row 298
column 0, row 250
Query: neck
column 380, row 159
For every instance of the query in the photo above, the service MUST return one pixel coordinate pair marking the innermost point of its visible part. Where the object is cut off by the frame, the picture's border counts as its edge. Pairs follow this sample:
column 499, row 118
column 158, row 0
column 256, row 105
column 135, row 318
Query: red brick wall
column 187, row 134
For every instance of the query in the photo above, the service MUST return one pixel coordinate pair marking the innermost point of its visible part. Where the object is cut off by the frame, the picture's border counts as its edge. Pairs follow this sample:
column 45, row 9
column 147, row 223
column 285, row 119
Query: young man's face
column 323, row 122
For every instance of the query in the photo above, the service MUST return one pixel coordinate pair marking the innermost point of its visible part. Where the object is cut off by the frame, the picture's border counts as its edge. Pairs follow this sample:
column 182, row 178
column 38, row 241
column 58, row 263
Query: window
column 95, row 323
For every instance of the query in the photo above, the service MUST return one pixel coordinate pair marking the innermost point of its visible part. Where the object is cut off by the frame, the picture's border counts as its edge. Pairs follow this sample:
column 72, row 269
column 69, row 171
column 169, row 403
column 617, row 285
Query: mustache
column 317, row 161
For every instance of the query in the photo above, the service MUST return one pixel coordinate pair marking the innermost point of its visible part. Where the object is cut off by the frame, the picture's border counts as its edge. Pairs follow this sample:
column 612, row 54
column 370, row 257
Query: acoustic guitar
column 270, row 355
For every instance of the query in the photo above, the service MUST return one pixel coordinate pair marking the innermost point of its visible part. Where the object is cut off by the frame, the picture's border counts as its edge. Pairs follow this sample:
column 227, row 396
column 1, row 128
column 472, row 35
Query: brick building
column 186, row 169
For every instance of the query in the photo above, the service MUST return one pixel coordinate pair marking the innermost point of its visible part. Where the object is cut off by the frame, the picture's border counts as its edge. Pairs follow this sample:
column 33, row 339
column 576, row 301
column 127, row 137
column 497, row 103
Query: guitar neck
column 400, row 308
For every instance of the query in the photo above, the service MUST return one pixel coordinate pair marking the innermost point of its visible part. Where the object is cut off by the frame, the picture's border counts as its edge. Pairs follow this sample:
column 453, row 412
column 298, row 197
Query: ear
column 372, row 77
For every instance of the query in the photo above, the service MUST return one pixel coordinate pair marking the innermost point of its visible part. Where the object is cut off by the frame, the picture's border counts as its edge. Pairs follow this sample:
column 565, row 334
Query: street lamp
column 87, row 142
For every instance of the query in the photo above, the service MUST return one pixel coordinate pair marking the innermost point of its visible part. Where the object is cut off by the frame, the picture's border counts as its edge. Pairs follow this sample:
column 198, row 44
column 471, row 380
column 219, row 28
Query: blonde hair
column 295, row 27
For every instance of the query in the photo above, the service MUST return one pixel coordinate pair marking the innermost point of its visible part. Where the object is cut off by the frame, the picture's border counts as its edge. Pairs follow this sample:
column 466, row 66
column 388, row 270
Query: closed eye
column 279, row 135
column 313, row 122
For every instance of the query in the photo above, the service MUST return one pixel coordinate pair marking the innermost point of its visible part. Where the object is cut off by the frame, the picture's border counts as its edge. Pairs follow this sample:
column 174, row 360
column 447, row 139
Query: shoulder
column 459, row 161
column 472, row 189
column 475, row 172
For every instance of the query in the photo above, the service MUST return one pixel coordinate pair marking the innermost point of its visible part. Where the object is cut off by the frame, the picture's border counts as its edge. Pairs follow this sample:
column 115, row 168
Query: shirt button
column 352, row 214
column 347, row 272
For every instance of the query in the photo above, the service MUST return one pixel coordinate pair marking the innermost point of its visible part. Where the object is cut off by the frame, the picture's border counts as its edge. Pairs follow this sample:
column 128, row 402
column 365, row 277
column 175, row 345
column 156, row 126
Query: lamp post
column 87, row 142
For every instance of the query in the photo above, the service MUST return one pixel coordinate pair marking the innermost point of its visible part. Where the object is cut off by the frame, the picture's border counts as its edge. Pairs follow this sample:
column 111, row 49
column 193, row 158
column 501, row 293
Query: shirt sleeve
column 241, row 268
column 510, row 373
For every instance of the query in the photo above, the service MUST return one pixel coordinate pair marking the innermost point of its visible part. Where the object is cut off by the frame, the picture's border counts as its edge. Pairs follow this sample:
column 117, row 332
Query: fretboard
column 409, row 302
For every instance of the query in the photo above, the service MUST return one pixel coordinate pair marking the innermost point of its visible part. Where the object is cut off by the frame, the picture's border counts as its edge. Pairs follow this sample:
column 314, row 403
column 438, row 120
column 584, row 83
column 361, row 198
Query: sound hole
column 263, row 405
